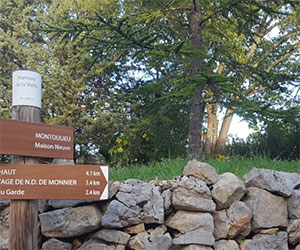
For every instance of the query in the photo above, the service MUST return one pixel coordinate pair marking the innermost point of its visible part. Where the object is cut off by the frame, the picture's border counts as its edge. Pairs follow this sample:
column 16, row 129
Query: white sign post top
column 26, row 88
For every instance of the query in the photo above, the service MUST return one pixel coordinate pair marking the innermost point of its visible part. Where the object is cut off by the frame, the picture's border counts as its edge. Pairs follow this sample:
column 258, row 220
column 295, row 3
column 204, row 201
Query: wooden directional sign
column 83, row 182
column 35, row 139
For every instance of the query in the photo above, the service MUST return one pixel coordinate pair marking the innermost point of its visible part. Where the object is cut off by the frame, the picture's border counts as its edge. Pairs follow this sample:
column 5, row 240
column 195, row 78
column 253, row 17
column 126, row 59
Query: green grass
column 167, row 169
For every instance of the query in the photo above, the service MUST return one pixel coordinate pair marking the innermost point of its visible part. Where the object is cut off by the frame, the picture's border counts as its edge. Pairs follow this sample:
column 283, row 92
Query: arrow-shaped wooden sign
column 35, row 139
column 37, row 181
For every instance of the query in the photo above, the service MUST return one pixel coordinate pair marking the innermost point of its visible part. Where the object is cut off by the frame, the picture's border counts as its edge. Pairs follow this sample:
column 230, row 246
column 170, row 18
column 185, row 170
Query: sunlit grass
column 167, row 169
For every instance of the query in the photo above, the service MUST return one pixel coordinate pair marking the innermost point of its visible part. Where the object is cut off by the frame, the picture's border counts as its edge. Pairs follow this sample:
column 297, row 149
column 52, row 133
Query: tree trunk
column 24, row 227
column 197, row 105
column 221, row 142
column 212, row 128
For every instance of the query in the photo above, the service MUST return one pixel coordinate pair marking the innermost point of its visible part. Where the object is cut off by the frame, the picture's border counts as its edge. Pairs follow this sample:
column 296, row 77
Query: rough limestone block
column 266, row 241
column 135, row 229
column 294, row 231
column 93, row 244
column 55, row 244
column 118, row 215
column 226, row 245
column 70, row 222
column 221, row 222
column 4, row 237
column 294, row 205
column 192, row 194
column 196, row 228
column 152, row 239
column 202, row 171
column 228, row 189
column 268, row 210
column 274, row 181
column 110, row 235
column 239, row 219
column 66, row 203
column 137, row 202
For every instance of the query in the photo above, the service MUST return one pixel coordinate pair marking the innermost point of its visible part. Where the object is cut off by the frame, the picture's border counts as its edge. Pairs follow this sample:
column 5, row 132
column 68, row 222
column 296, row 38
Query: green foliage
column 275, row 140
column 167, row 169
column 119, row 72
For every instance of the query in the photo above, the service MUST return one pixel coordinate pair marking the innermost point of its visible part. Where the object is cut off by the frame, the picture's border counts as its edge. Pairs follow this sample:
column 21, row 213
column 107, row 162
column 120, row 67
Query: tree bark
column 212, row 128
column 197, row 105
column 221, row 142
column 24, row 227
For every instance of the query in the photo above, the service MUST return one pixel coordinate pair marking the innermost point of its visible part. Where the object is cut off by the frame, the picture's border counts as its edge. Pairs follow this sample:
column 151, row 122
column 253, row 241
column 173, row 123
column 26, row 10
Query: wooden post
column 24, row 227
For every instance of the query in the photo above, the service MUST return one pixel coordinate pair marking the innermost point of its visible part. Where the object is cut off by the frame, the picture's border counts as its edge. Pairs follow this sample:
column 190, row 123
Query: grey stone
column 265, row 241
column 201, row 170
column 110, row 235
column 192, row 194
column 167, row 197
column 268, row 210
column 143, row 198
column 66, row 203
column 226, row 245
column 221, row 222
column 4, row 203
column 239, row 219
column 199, row 236
column 113, row 188
column 55, row 244
column 294, row 205
column 118, row 215
column 228, row 189
column 4, row 237
column 152, row 239
column 195, row 247
column 4, row 217
column 186, row 221
column 42, row 205
column 294, row 231
column 70, row 222
column 196, row 227
column 274, row 181
column 96, row 245
column 161, row 242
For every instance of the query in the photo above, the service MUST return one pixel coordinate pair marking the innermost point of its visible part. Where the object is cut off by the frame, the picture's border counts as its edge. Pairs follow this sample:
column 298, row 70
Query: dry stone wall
column 198, row 210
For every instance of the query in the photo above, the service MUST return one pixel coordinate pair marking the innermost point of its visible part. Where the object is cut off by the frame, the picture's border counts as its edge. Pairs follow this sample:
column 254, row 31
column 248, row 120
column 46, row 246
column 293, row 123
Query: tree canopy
column 144, row 80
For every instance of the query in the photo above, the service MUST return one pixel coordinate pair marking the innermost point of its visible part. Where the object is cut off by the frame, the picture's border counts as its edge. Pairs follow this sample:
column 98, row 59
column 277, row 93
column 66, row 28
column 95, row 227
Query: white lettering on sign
column 43, row 145
column 13, row 192
column 52, row 137
column 7, row 171
column 6, row 181
column 59, row 147
column 57, row 182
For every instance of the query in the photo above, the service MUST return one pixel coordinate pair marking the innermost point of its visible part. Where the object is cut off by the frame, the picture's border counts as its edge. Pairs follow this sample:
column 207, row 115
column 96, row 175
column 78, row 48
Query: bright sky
column 239, row 128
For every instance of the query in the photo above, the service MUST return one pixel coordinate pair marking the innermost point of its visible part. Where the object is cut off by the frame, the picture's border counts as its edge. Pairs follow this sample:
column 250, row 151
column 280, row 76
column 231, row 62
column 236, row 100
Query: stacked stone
column 199, row 210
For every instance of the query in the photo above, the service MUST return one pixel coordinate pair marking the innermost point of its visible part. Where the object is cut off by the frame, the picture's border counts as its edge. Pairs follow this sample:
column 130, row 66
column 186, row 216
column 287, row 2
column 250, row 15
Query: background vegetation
column 142, row 81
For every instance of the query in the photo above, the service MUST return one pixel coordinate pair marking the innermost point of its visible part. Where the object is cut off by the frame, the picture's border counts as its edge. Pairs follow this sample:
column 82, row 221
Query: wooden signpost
column 84, row 182
column 35, row 139
column 25, row 180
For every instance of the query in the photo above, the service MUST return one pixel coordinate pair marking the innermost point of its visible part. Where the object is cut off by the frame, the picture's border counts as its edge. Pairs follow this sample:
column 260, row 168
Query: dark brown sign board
column 37, row 181
column 35, row 139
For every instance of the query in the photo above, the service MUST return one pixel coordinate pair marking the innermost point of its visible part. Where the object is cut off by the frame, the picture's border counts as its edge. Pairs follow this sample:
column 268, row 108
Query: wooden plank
column 24, row 225
column 35, row 139
column 53, row 182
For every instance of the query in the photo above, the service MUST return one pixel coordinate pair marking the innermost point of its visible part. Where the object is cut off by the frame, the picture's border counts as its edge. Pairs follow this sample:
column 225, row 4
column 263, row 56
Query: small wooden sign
column 35, row 139
column 30, row 182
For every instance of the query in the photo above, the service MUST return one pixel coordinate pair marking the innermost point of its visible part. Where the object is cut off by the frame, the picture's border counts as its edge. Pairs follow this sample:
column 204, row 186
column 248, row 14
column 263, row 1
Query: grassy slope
column 167, row 169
